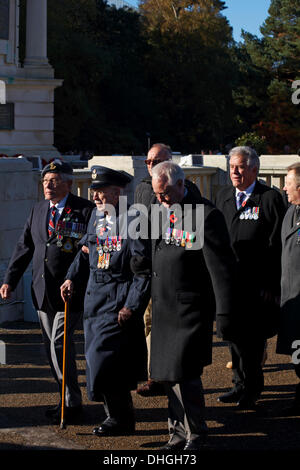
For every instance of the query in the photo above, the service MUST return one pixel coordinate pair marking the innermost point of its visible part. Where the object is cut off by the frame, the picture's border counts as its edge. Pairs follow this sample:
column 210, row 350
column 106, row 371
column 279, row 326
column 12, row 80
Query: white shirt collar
column 60, row 204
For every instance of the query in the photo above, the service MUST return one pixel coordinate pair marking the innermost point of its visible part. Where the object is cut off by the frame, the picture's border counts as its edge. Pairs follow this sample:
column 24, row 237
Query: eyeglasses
column 165, row 193
column 153, row 162
column 52, row 181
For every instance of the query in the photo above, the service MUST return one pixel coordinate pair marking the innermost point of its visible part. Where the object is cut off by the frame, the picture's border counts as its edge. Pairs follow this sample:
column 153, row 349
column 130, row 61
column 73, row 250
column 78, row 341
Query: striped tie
column 51, row 225
column 240, row 199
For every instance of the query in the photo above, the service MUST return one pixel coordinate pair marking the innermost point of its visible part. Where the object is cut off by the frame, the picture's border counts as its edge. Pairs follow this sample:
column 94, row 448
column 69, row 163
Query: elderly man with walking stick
column 115, row 300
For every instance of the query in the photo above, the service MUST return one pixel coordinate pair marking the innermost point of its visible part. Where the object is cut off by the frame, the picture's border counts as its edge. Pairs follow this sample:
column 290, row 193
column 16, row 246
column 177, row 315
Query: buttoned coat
column 115, row 355
column 289, row 327
column 189, row 287
column 257, row 245
column 50, row 262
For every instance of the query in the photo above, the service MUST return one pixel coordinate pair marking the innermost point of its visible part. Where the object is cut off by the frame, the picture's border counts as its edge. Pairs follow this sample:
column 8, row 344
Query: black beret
column 57, row 166
column 103, row 176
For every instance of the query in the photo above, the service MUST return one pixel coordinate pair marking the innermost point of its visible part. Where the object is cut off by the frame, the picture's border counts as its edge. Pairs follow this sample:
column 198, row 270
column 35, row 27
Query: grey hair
column 295, row 167
column 248, row 153
column 170, row 170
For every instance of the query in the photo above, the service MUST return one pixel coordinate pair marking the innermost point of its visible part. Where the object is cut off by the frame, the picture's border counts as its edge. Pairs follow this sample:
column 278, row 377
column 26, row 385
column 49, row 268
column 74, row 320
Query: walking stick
column 62, row 422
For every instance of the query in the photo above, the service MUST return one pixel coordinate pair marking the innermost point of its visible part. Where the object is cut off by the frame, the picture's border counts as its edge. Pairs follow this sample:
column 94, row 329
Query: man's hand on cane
column 5, row 291
column 66, row 290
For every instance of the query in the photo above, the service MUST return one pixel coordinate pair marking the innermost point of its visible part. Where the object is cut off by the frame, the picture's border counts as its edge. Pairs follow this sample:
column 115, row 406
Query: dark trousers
column 246, row 367
column 118, row 406
column 297, row 371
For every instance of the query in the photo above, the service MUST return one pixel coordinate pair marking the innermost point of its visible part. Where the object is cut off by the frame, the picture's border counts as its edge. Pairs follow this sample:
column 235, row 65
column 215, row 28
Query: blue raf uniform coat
column 114, row 354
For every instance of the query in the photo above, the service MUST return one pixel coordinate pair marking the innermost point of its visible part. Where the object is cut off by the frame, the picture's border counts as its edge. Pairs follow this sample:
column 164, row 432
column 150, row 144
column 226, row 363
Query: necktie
column 240, row 199
column 51, row 224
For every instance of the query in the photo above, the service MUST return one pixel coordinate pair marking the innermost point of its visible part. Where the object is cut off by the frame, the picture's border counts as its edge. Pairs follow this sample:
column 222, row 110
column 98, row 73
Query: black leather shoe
column 230, row 397
column 107, row 428
column 195, row 444
column 72, row 414
column 170, row 447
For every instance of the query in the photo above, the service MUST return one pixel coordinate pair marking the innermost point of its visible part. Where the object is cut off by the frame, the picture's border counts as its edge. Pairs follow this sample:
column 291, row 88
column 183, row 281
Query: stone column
column 36, row 34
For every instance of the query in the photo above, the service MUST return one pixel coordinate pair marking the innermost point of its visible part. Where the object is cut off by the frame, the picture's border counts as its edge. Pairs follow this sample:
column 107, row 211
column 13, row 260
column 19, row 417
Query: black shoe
column 246, row 403
column 195, row 444
column 72, row 414
column 170, row 447
column 53, row 410
column 112, row 428
column 230, row 397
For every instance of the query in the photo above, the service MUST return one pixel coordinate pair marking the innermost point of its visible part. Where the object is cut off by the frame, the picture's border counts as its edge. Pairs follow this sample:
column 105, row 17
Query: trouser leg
column 237, row 377
column 52, row 324
column 118, row 407
column 148, row 322
column 247, row 368
column 186, row 408
column 297, row 371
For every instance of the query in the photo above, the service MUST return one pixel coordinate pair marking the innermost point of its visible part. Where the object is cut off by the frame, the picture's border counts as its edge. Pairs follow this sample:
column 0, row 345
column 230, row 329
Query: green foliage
column 251, row 139
column 103, row 105
column 275, row 59
column 174, row 71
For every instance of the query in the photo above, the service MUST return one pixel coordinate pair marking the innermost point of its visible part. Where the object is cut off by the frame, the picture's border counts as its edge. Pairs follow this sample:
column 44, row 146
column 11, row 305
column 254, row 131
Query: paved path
column 27, row 389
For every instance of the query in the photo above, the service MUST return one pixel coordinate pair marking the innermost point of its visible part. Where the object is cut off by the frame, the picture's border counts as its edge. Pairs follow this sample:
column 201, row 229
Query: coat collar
column 288, row 227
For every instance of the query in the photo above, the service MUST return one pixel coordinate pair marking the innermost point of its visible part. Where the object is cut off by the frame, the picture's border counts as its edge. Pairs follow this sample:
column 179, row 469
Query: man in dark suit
column 288, row 341
column 193, row 269
column 50, row 237
column 254, row 214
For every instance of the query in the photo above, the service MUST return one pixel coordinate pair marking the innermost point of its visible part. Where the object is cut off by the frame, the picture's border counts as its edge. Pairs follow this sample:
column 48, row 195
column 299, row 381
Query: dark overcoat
column 289, row 327
column 256, row 241
column 115, row 355
column 188, row 288
column 50, row 262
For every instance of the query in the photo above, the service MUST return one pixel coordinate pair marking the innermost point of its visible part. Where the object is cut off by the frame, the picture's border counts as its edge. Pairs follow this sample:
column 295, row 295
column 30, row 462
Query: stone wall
column 18, row 193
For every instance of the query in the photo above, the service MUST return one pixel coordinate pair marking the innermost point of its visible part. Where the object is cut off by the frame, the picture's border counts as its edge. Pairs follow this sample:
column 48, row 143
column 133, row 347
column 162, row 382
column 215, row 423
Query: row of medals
column 69, row 229
column 179, row 238
column 104, row 249
column 250, row 213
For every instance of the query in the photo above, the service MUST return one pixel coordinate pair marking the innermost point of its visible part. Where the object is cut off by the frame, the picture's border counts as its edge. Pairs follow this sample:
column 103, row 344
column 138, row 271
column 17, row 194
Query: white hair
column 171, row 171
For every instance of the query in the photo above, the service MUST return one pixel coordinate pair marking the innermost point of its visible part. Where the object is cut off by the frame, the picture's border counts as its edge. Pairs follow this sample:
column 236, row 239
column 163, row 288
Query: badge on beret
column 94, row 174
column 52, row 166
